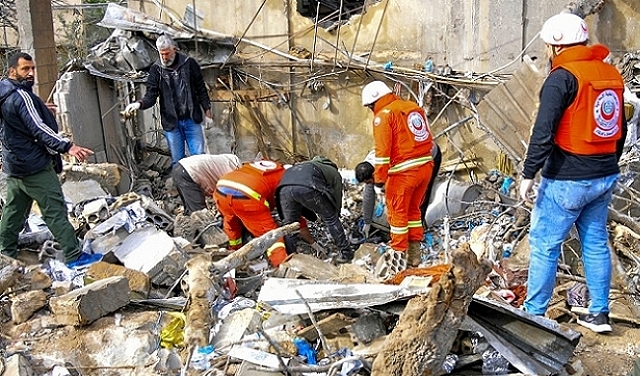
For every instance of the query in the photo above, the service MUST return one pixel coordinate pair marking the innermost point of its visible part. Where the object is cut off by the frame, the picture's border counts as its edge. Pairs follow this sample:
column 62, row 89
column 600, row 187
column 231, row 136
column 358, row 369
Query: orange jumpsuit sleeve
column 383, row 136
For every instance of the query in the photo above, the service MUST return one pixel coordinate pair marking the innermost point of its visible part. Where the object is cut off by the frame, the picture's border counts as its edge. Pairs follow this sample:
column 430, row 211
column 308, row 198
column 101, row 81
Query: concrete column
column 35, row 28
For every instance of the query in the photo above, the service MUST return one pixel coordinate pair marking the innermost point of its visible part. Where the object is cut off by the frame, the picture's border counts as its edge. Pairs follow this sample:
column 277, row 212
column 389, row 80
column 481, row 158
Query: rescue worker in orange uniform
column 403, row 163
column 245, row 198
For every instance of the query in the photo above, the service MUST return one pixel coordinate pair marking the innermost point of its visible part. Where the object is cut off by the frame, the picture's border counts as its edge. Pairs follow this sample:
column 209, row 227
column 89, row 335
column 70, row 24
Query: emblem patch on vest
column 606, row 111
column 418, row 126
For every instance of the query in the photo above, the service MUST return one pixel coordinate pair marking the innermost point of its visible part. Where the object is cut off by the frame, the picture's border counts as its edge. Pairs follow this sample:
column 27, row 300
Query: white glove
column 525, row 189
column 317, row 247
column 132, row 107
column 208, row 122
column 365, row 230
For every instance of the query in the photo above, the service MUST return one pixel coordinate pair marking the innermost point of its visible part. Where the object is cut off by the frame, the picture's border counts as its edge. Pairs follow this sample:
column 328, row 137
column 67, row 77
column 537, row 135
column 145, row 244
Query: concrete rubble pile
column 168, row 297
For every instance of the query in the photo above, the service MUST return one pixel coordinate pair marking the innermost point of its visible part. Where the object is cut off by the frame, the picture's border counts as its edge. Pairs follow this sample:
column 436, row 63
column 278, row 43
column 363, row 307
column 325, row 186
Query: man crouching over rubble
column 314, row 187
column 364, row 174
column 245, row 198
column 403, row 163
column 576, row 141
column 31, row 148
column 195, row 178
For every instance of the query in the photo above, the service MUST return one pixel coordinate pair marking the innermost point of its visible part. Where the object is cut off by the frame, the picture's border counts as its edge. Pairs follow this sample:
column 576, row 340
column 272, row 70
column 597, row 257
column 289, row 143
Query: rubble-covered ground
column 167, row 285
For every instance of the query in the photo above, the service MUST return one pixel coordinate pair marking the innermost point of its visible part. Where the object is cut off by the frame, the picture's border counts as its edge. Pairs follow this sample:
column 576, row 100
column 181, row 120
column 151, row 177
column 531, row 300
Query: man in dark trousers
column 31, row 148
column 177, row 80
column 310, row 188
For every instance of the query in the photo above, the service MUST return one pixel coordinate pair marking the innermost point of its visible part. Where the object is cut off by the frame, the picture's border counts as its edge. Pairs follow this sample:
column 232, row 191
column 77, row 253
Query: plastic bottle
column 428, row 65
column 201, row 358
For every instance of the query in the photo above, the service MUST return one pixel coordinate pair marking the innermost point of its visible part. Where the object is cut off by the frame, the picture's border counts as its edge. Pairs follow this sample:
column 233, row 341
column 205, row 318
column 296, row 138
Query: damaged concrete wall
column 468, row 35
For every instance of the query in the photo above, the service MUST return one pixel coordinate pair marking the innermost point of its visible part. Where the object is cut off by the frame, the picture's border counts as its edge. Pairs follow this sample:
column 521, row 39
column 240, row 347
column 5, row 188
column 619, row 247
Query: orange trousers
column 404, row 192
column 255, row 216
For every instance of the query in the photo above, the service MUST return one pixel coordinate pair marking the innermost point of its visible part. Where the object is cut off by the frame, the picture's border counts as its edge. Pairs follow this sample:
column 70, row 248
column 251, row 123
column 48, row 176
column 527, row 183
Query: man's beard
column 168, row 63
column 25, row 80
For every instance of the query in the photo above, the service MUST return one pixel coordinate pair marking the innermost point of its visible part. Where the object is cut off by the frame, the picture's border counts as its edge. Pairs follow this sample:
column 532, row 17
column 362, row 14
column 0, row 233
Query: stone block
column 37, row 278
column 154, row 253
column 85, row 305
column 77, row 191
column 23, row 306
column 138, row 281
column 61, row 287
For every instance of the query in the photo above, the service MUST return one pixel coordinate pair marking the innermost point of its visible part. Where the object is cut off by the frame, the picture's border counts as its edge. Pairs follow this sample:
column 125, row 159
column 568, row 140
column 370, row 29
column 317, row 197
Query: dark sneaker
column 84, row 259
column 599, row 323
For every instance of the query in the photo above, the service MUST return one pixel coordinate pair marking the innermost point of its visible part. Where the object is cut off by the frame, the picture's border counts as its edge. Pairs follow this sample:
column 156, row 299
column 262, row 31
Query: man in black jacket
column 309, row 188
column 177, row 80
column 31, row 146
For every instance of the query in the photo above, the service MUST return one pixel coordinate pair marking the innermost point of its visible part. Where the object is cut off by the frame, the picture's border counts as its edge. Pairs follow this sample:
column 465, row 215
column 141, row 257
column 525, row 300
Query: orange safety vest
column 256, row 179
column 592, row 124
column 403, row 140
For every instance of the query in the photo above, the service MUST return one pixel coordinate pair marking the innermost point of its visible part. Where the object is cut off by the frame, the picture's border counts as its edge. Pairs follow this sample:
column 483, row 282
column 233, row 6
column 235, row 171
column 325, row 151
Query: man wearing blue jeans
column 576, row 141
column 177, row 80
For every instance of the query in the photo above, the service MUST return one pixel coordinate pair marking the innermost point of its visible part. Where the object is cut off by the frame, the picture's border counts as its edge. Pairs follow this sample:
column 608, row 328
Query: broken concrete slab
column 235, row 327
column 302, row 265
column 23, row 306
column 18, row 365
column 87, row 304
column 61, row 287
column 154, row 253
column 139, row 283
column 78, row 191
column 368, row 327
column 280, row 293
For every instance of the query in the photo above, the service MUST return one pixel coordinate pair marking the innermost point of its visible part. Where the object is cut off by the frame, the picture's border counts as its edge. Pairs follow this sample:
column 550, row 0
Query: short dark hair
column 364, row 171
column 13, row 59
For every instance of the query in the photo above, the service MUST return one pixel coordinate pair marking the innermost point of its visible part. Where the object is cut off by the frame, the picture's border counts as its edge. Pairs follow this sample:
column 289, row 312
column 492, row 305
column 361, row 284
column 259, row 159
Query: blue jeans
column 559, row 205
column 186, row 131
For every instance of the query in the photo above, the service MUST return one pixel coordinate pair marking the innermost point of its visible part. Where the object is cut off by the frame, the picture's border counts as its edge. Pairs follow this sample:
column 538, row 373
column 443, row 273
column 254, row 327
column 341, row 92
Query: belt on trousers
column 227, row 191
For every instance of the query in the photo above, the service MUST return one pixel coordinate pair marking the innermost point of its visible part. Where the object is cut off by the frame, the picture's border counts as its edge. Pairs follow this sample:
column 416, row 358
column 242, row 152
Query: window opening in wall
column 328, row 11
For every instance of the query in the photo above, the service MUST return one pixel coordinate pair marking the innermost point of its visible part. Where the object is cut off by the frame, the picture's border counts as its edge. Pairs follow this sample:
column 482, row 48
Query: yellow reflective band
column 242, row 188
column 410, row 163
column 415, row 224
column 235, row 241
column 275, row 246
column 381, row 160
column 399, row 230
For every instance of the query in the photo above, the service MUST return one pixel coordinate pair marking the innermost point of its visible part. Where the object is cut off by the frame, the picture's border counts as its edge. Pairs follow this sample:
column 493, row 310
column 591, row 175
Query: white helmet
column 564, row 29
column 374, row 91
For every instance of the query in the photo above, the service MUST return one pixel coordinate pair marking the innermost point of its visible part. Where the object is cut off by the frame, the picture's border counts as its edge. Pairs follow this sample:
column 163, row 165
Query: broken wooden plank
column 329, row 326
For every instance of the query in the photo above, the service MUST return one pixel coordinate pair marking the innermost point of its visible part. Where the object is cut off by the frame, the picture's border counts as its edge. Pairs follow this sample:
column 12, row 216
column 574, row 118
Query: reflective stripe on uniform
column 233, row 242
column 275, row 246
column 399, row 230
column 410, row 163
column 413, row 224
column 382, row 160
column 242, row 188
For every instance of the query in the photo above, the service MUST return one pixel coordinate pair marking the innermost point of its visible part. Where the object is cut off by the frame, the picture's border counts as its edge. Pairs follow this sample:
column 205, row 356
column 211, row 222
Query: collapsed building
column 290, row 90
